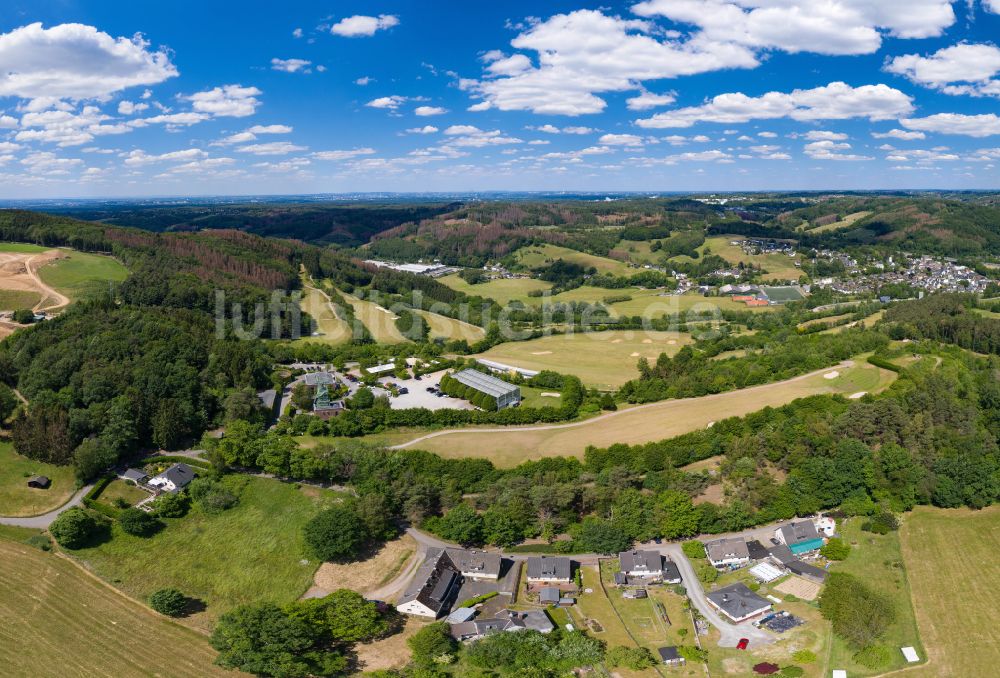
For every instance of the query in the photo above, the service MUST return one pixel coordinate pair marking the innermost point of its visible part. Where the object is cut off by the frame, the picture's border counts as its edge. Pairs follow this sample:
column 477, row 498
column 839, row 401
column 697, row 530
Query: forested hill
column 321, row 224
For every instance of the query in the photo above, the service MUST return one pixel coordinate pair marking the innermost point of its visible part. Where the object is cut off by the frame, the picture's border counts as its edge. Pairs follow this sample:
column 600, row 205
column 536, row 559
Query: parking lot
column 418, row 396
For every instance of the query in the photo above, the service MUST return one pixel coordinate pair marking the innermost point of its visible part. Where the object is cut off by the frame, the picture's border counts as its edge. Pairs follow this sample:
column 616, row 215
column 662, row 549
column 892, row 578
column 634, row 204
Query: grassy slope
column 379, row 320
column 877, row 560
column 55, row 619
column 16, row 498
column 12, row 300
column 639, row 425
column 332, row 329
column 501, row 290
column 449, row 328
column 603, row 360
column 22, row 248
column 539, row 255
column 953, row 571
column 249, row 553
column 79, row 273
column 777, row 266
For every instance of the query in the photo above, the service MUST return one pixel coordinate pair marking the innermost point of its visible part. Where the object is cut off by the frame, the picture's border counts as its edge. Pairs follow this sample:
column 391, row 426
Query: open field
column 532, row 397
column 12, row 300
column 251, row 552
column 501, row 290
column 641, row 424
column 76, row 274
column 119, row 489
column 604, row 360
column 878, row 561
column 535, row 256
column 848, row 220
column 867, row 321
column 380, row 321
column 953, row 572
column 449, row 328
column 367, row 575
column 778, row 266
column 55, row 619
column 16, row 498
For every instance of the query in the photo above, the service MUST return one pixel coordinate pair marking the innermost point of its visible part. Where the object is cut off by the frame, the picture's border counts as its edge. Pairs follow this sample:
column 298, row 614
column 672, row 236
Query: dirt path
column 61, row 300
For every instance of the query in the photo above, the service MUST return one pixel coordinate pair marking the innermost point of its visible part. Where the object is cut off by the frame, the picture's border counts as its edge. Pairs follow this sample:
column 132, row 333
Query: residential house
column 549, row 595
column 756, row 550
column 548, row 570
column 671, row 575
column 738, row 602
column 647, row 565
column 439, row 579
column 727, row 551
column 137, row 476
column 174, row 479
column 476, row 564
column 781, row 554
column 799, row 536
column 506, row 620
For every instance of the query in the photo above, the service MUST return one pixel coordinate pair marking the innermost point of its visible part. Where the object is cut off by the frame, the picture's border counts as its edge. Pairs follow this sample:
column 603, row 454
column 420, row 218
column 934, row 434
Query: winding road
column 43, row 521
column 48, row 292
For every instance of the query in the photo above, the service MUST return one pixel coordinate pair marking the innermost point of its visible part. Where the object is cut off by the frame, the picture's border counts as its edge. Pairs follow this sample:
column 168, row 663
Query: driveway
column 43, row 521
column 730, row 634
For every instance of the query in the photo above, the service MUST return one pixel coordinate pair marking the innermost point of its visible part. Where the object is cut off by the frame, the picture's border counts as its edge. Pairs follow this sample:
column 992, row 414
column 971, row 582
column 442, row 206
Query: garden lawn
column 878, row 561
column 118, row 488
column 953, row 572
column 80, row 273
column 252, row 552
column 17, row 499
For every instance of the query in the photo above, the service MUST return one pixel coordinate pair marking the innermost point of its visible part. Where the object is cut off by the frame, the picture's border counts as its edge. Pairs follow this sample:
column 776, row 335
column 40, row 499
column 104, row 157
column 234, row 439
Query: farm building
column 543, row 569
column 730, row 551
column 39, row 482
column 800, row 537
column 440, row 577
column 765, row 572
column 174, row 479
column 507, row 395
column 738, row 602
column 810, row 572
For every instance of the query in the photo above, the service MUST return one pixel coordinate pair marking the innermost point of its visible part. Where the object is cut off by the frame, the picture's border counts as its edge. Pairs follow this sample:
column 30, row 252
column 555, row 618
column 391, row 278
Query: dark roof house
column 670, row 655
column 800, row 536
column 738, row 602
column 433, row 588
column 174, row 479
column 641, row 563
column 808, row 571
column 671, row 574
column 727, row 551
column 39, row 482
column 135, row 475
column 546, row 568
column 756, row 550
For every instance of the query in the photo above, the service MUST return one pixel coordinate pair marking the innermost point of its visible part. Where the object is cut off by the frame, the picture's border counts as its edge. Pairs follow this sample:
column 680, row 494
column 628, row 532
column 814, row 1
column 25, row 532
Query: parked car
column 742, row 645
column 403, row 390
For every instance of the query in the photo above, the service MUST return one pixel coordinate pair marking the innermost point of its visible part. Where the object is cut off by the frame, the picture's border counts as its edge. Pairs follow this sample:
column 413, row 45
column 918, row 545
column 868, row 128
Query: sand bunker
column 541, row 353
column 859, row 394
column 831, row 375
column 634, row 355
column 672, row 342
column 616, row 341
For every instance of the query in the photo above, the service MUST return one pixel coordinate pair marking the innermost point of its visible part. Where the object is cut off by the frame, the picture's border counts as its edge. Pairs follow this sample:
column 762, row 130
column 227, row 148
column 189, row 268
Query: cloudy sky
column 109, row 98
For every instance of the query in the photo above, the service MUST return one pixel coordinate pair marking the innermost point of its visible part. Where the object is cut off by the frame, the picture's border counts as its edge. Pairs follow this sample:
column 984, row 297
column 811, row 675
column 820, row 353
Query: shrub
column 39, row 541
column 172, row 505
column 859, row 613
column 335, row 534
column 753, row 586
column 706, row 573
column 74, row 528
column 430, row 643
column 882, row 522
column 471, row 602
column 168, row 601
column 792, row 671
column 804, row 656
column 836, row 549
column 634, row 658
column 693, row 549
column 874, row 656
column 692, row 653
column 138, row 523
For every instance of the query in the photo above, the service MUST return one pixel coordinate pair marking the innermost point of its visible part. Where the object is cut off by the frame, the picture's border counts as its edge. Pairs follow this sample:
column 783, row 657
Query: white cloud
column 584, row 53
column 620, row 140
column 75, row 61
column 360, row 25
column 767, row 135
column 962, row 63
column 297, row 33
column 290, row 65
column 140, row 157
column 426, row 129
column 391, row 102
column 130, row 108
column 271, row 148
column 647, row 100
column 828, row 27
column 238, row 138
column 836, row 101
column 8, row 122
column 922, row 156
column 364, row 81
column 67, row 127
column 229, row 100
column 171, row 119
column 899, row 134
column 270, row 129
column 824, row 135
column 47, row 163
column 343, row 155
column 552, row 129
column 425, row 111
column 984, row 125
column 831, row 150
column 462, row 129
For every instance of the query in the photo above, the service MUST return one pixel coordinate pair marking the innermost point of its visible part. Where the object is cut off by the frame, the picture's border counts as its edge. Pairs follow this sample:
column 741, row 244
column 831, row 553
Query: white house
column 174, row 479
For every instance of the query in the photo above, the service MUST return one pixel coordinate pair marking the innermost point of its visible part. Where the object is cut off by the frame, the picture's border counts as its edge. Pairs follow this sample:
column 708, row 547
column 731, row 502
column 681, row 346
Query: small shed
column 670, row 656
column 567, row 602
column 910, row 654
column 549, row 595
column 462, row 614
column 135, row 475
column 39, row 482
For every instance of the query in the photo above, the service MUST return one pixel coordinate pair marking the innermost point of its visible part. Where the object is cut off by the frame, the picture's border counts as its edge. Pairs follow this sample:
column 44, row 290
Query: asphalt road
column 43, row 521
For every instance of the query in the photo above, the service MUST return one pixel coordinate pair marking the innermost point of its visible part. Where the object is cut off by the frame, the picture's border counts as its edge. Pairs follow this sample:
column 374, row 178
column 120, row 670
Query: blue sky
column 129, row 98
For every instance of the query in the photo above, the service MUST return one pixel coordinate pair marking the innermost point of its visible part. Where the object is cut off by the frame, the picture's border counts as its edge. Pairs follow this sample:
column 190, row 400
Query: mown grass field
column 848, row 220
column 380, row 321
column 332, row 330
column 22, row 248
column 535, row 256
column 878, row 560
column 449, row 328
column 501, row 290
column 251, row 552
column 532, row 397
column 57, row 620
column 634, row 425
column 81, row 273
column 12, row 300
column 952, row 566
column 16, row 498
column 603, row 360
